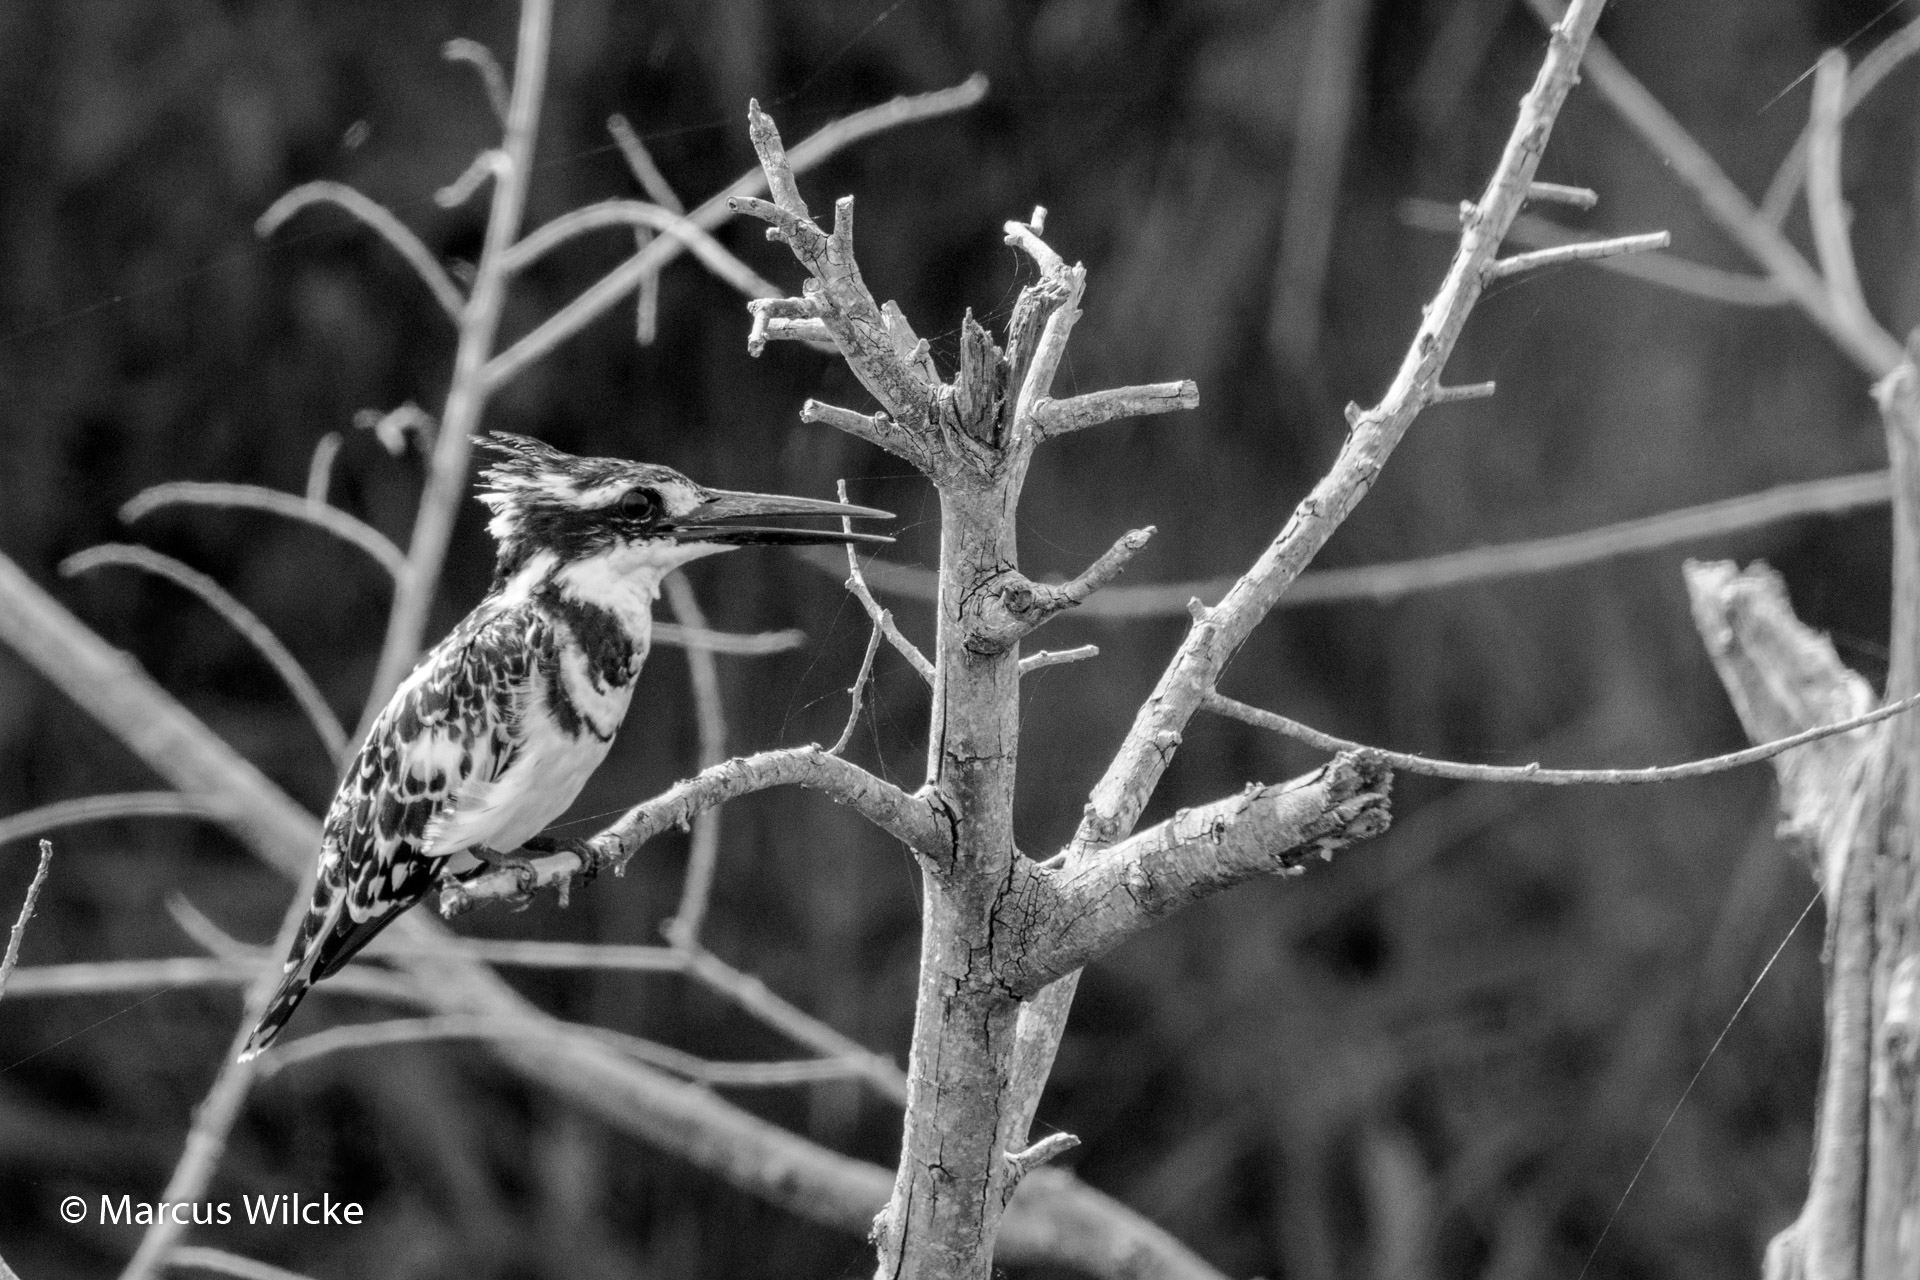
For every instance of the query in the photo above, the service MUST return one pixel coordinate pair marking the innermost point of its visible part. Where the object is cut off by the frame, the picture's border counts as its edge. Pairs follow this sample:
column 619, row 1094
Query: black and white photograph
column 994, row 640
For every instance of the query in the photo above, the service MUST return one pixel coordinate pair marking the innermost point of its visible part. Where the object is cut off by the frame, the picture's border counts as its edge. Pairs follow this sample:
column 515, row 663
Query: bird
column 495, row 731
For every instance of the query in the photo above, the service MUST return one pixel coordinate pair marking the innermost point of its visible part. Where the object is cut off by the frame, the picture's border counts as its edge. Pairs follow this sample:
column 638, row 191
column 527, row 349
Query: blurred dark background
column 1442, row 1056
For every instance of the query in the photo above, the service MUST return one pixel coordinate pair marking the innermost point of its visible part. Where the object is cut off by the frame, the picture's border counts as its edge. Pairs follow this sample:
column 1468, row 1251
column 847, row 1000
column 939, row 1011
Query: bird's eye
column 639, row 504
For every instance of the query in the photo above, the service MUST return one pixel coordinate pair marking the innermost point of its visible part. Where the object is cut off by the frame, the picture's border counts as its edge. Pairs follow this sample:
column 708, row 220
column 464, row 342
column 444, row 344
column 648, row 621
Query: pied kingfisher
column 494, row 733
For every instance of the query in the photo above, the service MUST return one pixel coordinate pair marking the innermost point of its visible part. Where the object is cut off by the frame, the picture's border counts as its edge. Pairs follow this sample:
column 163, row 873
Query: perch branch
column 909, row 819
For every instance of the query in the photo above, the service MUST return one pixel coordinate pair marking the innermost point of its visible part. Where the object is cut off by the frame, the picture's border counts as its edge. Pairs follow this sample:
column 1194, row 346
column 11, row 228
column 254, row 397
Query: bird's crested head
column 649, row 516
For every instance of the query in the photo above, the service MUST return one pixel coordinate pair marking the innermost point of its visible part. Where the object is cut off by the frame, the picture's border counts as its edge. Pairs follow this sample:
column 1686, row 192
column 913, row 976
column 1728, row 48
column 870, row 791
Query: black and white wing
column 450, row 731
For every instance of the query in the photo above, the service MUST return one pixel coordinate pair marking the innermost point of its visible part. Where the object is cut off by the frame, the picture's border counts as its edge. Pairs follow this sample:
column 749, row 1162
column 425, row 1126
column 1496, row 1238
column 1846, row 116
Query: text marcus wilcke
column 259, row 1211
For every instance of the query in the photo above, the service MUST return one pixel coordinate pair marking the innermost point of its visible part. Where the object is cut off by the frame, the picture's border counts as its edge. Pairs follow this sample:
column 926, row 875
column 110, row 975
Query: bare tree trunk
column 1853, row 805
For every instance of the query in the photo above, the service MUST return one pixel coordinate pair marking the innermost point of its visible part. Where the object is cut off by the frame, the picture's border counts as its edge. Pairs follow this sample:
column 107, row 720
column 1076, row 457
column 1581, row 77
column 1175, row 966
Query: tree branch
column 909, row 819
column 1058, row 417
column 1099, row 898
column 1016, row 604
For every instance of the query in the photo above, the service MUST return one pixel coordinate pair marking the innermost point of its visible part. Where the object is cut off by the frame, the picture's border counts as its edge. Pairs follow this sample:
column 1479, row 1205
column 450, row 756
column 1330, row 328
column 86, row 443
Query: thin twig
column 857, row 688
column 1826, row 205
column 104, row 808
column 255, row 497
column 1454, row 395
column 12, row 956
column 190, row 1257
column 882, row 618
column 1226, row 706
column 1398, row 579
column 1579, row 251
column 703, row 855
column 236, row 615
column 376, row 216
column 481, row 59
column 1733, row 288
column 1057, row 657
column 1560, row 193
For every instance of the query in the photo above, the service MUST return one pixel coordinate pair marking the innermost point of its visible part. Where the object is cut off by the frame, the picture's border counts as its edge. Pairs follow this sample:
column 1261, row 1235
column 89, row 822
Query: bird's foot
column 584, row 850
column 522, row 868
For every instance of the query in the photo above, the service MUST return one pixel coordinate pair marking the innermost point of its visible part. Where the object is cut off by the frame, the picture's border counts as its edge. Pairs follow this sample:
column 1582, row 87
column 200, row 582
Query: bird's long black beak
column 712, row 520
